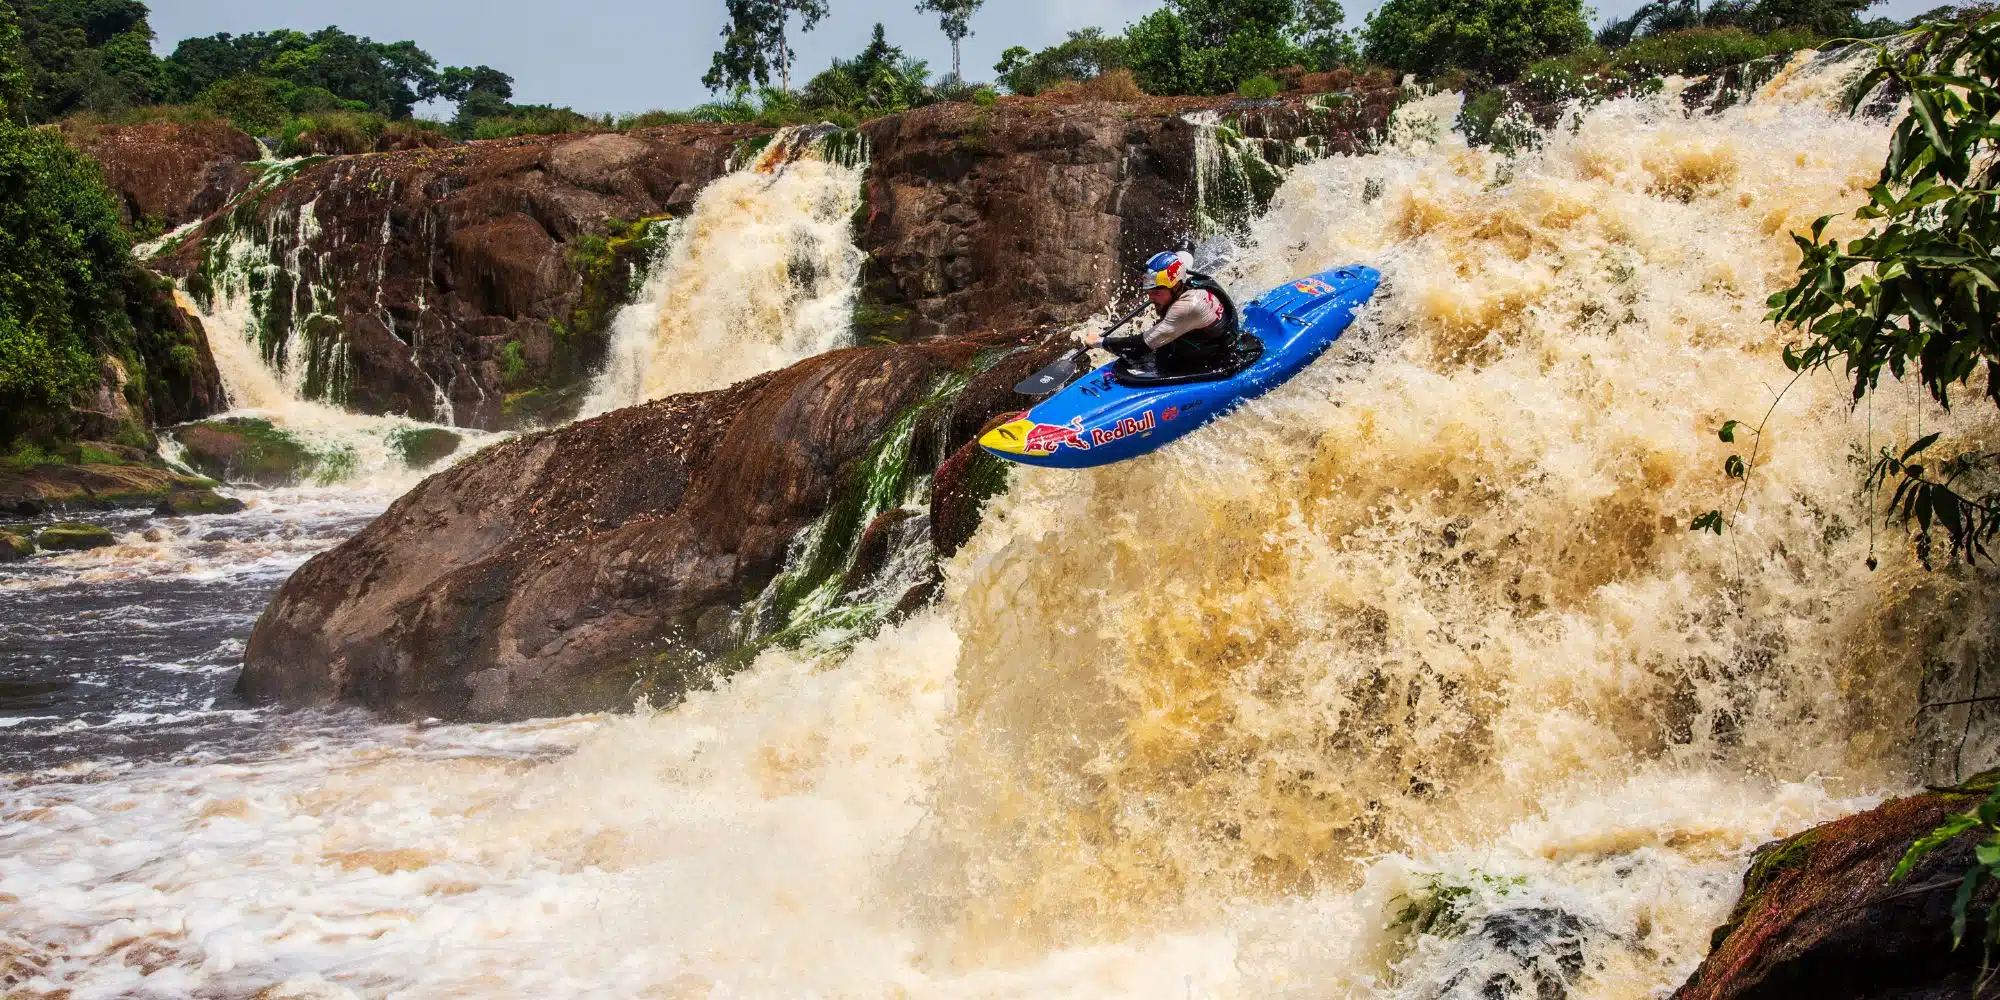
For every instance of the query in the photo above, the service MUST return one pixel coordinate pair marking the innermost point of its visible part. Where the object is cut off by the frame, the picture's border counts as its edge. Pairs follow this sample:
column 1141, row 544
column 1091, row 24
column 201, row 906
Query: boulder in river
column 1818, row 917
column 423, row 447
column 15, row 547
column 194, row 503
column 558, row 571
column 74, row 536
column 245, row 449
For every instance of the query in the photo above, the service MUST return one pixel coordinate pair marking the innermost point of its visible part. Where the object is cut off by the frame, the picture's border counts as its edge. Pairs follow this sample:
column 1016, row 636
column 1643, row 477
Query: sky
column 636, row 55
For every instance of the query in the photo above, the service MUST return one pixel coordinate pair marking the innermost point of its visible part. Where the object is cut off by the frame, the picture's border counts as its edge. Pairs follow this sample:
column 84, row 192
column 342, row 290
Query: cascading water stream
column 1405, row 681
column 763, row 273
column 293, row 374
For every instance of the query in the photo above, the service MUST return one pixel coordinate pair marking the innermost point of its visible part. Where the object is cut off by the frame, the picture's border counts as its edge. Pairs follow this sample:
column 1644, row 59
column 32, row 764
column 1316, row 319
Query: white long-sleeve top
column 1192, row 311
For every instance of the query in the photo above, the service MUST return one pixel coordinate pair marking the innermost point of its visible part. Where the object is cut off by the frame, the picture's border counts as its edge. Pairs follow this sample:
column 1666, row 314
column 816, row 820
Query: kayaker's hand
column 1093, row 340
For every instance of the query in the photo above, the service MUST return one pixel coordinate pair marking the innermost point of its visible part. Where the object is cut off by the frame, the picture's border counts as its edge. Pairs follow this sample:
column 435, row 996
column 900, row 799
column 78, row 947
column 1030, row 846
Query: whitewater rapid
column 1215, row 723
column 763, row 273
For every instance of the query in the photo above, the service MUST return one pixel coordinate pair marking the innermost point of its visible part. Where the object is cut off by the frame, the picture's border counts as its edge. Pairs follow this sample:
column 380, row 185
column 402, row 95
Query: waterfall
column 279, row 349
column 1405, row 682
column 763, row 273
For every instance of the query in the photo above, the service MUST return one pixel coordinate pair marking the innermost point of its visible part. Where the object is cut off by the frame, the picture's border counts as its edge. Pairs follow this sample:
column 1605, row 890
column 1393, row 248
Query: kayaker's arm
column 1102, row 338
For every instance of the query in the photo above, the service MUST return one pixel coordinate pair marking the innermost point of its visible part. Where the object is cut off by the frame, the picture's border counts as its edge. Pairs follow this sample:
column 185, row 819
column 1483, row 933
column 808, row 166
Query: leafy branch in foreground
column 1920, row 290
column 1986, row 864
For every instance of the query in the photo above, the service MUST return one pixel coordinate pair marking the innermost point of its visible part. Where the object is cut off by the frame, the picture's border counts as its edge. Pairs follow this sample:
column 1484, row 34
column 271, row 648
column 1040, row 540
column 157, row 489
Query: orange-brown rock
column 169, row 173
column 431, row 261
column 543, row 574
column 1818, row 917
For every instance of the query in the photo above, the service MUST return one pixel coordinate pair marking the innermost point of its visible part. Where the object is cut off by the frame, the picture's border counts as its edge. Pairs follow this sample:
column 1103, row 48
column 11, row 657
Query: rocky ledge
column 104, row 476
column 168, row 174
column 1818, row 917
column 573, row 569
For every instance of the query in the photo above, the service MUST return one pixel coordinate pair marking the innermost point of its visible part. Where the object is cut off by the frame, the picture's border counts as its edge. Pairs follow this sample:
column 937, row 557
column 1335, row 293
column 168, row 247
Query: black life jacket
column 1217, row 334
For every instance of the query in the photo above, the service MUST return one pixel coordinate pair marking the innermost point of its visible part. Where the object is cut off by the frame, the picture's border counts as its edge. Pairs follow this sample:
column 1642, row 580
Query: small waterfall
column 1235, row 174
column 763, row 273
column 280, row 351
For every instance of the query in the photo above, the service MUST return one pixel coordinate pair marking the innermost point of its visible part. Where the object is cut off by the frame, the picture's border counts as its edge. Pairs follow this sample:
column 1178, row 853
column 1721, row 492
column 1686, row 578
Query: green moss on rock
column 423, row 447
column 195, row 503
column 244, row 449
column 14, row 548
column 74, row 536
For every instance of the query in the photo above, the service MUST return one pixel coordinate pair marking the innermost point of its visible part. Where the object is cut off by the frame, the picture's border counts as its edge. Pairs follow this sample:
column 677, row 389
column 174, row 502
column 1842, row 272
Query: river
column 1407, row 681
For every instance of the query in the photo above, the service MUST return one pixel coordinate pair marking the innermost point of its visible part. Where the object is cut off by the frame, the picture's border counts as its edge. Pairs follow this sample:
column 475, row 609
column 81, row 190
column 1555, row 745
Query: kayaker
column 1197, row 326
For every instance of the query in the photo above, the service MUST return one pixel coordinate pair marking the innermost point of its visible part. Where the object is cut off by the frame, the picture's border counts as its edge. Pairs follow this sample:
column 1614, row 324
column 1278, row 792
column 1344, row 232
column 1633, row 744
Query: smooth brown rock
column 539, row 575
column 1818, row 917
column 169, row 172
column 1033, row 212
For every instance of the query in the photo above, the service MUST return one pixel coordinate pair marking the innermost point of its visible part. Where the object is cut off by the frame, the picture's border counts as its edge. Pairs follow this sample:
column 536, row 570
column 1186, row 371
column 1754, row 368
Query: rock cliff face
column 408, row 275
column 569, row 570
column 440, row 282
column 1818, row 917
column 1030, row 212
column 170, row 174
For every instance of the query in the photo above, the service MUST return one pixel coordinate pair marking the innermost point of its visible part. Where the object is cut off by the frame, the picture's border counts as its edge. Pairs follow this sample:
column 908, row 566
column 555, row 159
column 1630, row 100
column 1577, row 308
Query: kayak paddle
column 1059, row 371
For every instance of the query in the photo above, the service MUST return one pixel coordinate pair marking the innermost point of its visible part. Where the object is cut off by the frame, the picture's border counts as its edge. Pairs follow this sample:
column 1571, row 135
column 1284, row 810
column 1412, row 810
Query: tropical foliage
column 955, row 19
column 755, row 39
column 1494, row 38
column 1984, row 819
column 1084, row 55
column 1213, row 46
column 1919, row 294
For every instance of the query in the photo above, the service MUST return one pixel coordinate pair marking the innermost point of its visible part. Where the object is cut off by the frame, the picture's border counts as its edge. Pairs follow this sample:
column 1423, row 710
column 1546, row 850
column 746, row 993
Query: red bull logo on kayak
column 1044, row 439
column 1313, row 286
column 1124, row 429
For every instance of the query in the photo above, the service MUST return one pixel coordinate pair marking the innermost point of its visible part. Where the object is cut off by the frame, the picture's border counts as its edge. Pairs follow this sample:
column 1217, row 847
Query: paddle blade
column 1051, row 378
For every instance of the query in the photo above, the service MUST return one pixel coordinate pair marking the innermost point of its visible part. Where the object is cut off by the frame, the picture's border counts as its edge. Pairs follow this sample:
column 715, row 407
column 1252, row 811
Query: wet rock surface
column 425, row 264
column 244, row 450
column 73, row 536
column 40, row 489
column 169, row 173
column 1033, row 212
column 1818, row 917
column 543, row 574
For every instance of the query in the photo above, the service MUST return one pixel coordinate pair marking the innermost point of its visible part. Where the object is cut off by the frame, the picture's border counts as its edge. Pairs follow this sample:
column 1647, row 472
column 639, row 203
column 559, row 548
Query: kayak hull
column 1099, row 419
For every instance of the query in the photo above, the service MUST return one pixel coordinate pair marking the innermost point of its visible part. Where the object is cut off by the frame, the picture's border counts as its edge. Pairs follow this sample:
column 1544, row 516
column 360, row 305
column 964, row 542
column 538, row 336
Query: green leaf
column 1963, row 902
column 1711, row 521
column 1728, row 431
column 1930, row 842
column 1922, row 443
column 1733, row 467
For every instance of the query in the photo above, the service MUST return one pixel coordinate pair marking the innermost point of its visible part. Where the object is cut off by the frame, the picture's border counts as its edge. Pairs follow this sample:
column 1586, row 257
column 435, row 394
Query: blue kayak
column 1109, row 416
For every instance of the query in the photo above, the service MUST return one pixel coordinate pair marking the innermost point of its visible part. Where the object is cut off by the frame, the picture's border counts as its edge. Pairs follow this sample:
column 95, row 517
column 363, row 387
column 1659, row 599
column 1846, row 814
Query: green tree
column 479, row 91
column 1322, row 36
column 1920, row 292
column 955, row 17
column 756, row 38
column 1497, row 38
column 65, row 257
column 881, row 78
column 14, row 86
column 87, row 55
column 1085, row 54
column 1210, row 46
column 389, row 78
